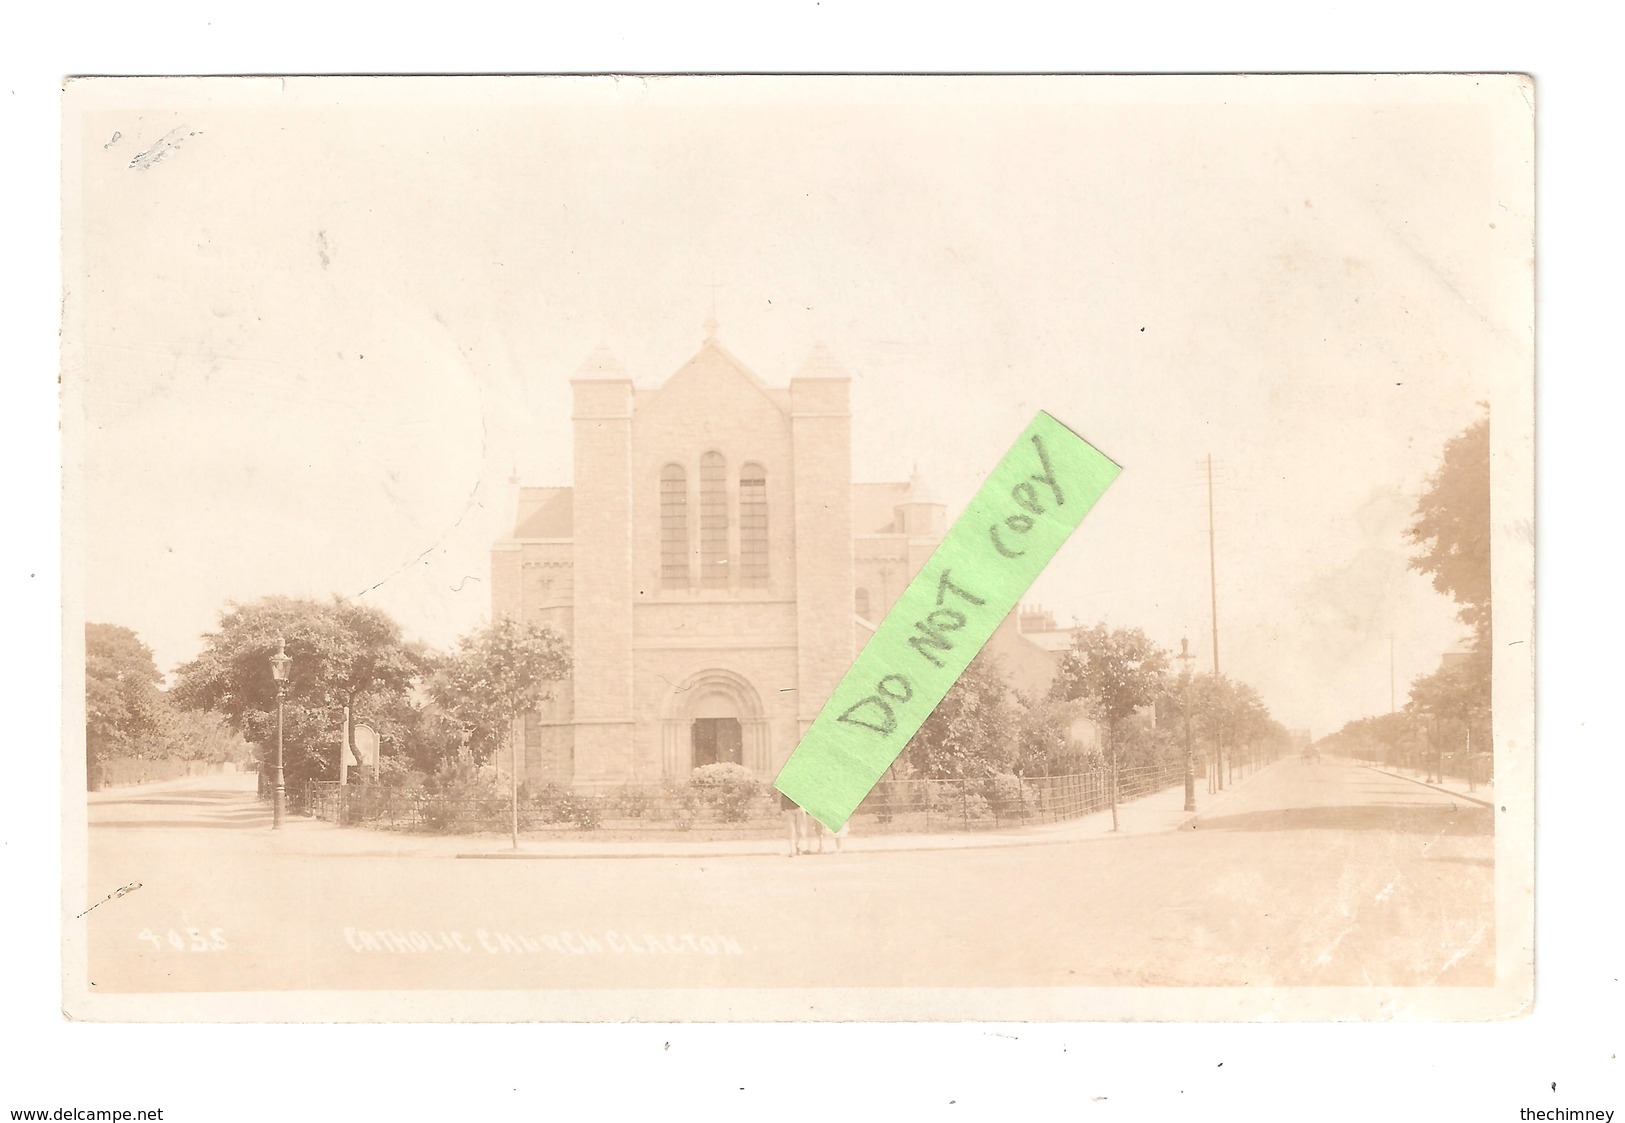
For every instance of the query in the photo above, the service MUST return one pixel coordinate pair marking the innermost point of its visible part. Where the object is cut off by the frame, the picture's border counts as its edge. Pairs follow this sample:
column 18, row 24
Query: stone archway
column 714, row 716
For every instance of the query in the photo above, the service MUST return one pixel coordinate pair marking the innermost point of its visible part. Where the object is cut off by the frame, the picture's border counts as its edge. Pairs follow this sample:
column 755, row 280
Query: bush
column 730, row 788
column 630, row 802
column 460, row 796
column 1011, row 797
column 958, row 798
column 561, row 805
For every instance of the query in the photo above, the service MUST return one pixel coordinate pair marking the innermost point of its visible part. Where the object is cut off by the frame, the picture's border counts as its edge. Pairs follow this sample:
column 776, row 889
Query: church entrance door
column 717, row 740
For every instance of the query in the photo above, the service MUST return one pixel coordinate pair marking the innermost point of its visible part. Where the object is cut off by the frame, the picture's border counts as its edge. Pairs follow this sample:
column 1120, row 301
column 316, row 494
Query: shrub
column 961, row 799
column 553, row 804
column 1011, row 797
column 630, row 802
column 729, row 788
column 460, row 796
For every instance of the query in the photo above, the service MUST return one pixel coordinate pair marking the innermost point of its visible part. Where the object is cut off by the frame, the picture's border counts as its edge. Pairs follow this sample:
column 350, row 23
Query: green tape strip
column 1034, row 499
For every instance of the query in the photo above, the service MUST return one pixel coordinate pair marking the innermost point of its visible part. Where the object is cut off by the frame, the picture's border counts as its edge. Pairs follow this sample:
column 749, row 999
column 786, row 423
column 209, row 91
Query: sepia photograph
column 475, row 489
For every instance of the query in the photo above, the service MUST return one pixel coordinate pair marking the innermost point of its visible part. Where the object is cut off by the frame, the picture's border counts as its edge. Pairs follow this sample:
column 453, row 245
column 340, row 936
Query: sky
column 318, row 325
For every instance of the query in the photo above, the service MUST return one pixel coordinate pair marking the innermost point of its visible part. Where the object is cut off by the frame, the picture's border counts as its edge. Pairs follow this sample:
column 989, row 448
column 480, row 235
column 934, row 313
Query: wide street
column 1306, row 874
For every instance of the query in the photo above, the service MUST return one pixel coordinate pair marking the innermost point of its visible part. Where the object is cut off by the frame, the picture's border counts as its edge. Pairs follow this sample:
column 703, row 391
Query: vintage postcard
column 476, row 488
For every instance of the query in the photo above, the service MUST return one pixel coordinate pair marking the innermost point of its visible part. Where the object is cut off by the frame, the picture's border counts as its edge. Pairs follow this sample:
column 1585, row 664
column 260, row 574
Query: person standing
column 795, row 817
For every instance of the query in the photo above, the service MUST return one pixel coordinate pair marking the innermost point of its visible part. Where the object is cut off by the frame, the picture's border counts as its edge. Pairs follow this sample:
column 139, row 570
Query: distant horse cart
column 1311, row 755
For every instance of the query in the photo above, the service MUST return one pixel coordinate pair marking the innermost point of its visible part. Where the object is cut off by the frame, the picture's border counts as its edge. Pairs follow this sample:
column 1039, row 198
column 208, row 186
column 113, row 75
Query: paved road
column 1308, row 874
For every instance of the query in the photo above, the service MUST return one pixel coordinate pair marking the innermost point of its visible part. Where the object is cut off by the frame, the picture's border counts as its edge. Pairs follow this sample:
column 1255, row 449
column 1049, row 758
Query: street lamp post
column 279, row 671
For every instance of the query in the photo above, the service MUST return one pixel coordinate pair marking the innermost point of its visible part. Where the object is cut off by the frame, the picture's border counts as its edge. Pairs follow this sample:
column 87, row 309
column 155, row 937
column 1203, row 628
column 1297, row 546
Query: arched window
column 753, row 526
column 713, row 522
column 860, row 603
column 673, row 527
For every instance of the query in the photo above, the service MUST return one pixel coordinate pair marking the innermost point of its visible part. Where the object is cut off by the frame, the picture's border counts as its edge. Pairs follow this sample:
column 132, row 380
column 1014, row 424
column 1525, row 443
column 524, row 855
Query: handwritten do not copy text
column 1030, row 504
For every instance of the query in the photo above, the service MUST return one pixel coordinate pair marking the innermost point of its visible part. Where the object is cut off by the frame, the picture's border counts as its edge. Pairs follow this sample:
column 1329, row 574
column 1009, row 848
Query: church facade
column 713, row 566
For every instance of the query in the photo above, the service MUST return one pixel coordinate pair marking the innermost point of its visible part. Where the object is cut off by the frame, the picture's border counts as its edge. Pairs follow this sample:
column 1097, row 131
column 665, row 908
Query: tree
column 1458, row 696
column 1229, row 714
column 498, row 674
column 1044, row 744
column 343, row 655
column 1452, row 528
column 124, row 709
column 1117, row 672
column 969, row 734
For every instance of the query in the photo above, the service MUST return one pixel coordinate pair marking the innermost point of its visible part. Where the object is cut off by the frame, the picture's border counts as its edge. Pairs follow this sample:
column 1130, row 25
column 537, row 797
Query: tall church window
column 860, row 603
column 673, row 527
column 713, row 521
column 753, row 526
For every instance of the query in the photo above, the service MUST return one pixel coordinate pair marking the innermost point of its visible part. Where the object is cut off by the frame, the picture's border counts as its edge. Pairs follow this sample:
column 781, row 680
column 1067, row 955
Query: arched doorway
column 715, row 735
column 714, row 716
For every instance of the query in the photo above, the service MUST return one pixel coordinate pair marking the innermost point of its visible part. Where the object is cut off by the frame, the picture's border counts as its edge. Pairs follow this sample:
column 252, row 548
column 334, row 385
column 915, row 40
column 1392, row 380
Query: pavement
column 1481, row 794
column 232, row 800
column 1324, row 874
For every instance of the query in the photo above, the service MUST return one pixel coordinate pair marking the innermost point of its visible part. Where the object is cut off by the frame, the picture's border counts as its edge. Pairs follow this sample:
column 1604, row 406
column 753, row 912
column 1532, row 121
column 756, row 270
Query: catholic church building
column 713, row 566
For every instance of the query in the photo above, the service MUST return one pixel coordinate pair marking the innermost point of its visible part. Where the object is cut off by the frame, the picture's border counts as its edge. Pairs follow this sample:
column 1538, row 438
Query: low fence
column 1006, row 800
column 893, row 805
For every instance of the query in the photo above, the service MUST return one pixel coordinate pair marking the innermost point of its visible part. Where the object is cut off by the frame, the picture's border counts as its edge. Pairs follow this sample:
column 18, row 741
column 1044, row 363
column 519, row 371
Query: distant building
column 1037, row 624
column 714, row 567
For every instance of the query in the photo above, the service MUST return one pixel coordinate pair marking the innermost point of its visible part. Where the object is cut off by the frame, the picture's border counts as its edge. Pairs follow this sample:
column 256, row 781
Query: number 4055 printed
column 186, row 939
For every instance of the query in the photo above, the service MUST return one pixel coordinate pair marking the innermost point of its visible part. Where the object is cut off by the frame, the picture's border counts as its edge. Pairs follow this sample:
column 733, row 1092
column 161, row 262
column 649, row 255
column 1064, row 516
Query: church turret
column 821, row 434
column 919, row 513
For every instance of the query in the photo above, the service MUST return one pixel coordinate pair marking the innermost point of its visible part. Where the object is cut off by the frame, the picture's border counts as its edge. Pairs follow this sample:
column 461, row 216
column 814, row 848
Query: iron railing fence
column 893, row 806
column 630, row 807
column 1004, row 800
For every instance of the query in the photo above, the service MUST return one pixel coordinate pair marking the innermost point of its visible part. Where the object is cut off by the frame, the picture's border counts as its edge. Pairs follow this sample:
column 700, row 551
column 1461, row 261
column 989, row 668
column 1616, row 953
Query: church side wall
column 603, row 519
column 881, row 566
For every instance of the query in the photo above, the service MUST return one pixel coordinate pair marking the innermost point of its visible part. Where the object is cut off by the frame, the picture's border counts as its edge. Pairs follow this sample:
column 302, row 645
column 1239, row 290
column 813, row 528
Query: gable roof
column 544, row 512
column 711, row 360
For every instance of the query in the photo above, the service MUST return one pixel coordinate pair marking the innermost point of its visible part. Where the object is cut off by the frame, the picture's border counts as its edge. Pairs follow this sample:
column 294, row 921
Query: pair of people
column 804, row 827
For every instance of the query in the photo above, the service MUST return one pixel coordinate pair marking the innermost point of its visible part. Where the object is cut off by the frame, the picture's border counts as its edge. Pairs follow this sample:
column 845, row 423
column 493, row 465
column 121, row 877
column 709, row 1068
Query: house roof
column 1055, row 640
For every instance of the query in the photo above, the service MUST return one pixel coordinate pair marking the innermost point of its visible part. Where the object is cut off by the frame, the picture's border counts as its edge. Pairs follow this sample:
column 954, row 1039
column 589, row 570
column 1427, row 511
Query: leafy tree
column 498, row 674
column 343, row 655
column 201, row 735
column 1390, row 737
column 1457, row 698
column 1229, row 715
column 1044, row 744
column 1452, row 528
column 1117, row 672
column 124, row 709
column 972, row 729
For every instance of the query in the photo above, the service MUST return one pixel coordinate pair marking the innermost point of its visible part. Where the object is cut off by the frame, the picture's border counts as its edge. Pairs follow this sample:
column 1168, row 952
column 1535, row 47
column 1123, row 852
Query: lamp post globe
column 280, row 662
